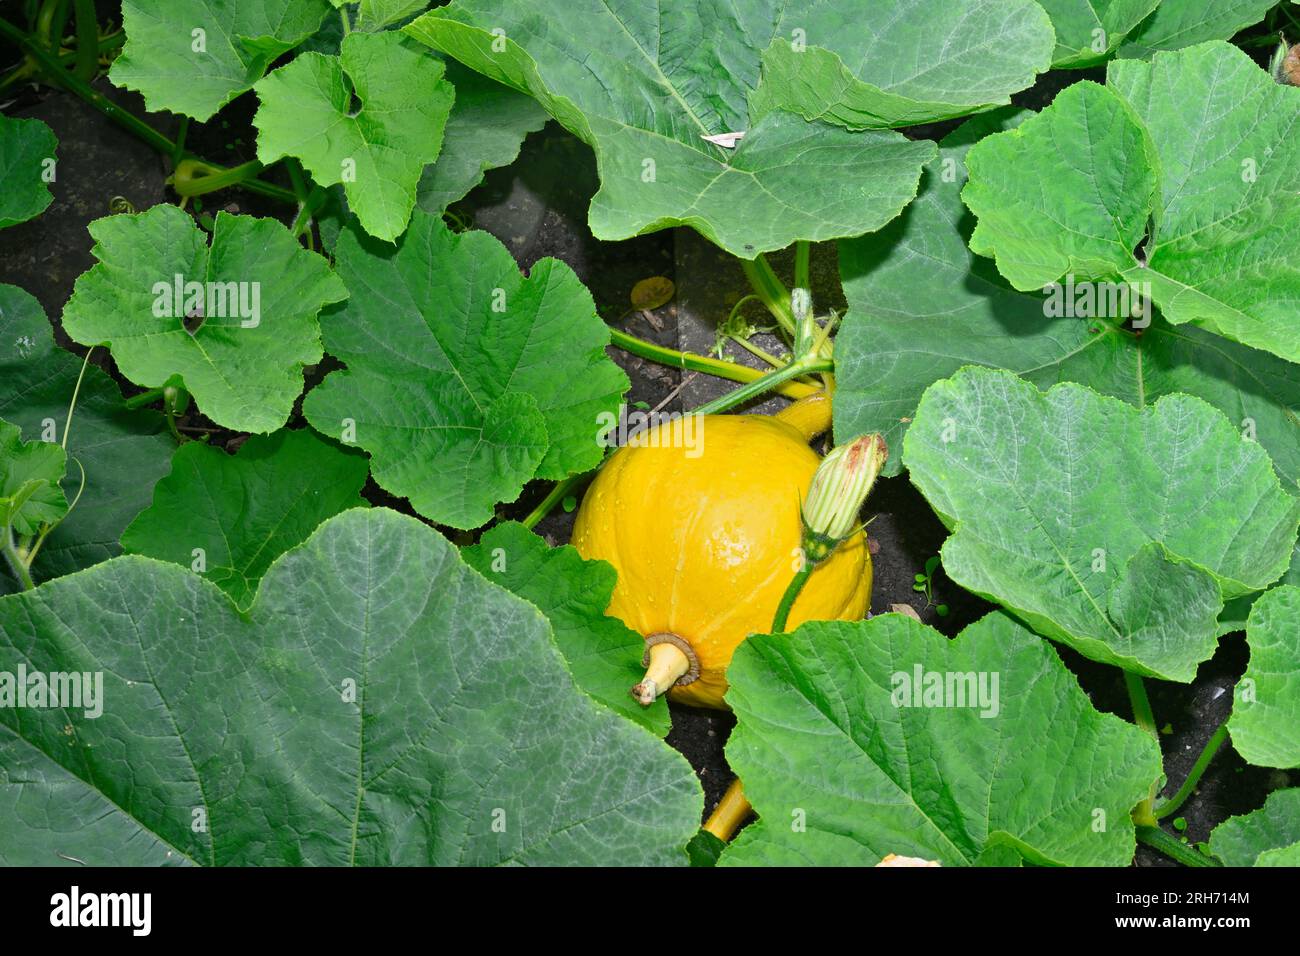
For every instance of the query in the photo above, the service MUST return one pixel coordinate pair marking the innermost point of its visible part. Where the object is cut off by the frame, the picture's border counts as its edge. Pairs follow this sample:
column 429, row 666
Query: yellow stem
column 732, row 810
column 667, row 663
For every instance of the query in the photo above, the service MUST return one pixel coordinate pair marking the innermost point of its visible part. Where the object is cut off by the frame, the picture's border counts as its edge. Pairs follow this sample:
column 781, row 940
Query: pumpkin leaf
column 377, row 151
column 195, row 56
column 122, row 452
column 486, row 129
column 229, row 516
column 380, row 703
column 258, row 295
column 850, row 749
column 1181, row 23
column 1116, row 530
column 894, row 342
column 30, row 472
column 1269, row 836
column 645, row 95
column 880, row 66
column 1265, row 721
column 26, row 149
column 1189, row 156
column 464, row 379
column 1089, row 31
column 603, row 652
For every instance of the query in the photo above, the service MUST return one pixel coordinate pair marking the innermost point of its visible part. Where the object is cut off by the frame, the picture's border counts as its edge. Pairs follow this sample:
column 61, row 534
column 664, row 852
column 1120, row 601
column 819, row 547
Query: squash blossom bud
column 838, row 491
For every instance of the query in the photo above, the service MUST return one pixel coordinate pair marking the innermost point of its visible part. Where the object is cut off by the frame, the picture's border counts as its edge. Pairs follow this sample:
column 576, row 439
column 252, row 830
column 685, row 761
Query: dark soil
column 537, row 207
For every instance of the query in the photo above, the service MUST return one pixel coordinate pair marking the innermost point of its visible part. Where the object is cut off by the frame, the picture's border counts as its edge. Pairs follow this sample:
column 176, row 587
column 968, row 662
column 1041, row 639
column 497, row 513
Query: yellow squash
column 705, row 539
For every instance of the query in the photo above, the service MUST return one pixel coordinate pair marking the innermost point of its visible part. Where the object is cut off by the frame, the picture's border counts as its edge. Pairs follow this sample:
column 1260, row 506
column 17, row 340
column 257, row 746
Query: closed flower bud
column 839, row 489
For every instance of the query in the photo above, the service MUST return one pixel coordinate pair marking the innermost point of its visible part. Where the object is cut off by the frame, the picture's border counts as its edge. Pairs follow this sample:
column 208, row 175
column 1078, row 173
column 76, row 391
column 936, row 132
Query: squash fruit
column 705, row 542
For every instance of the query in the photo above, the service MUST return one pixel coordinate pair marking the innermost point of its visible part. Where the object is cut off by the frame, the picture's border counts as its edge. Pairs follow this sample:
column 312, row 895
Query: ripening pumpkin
column 706, row 543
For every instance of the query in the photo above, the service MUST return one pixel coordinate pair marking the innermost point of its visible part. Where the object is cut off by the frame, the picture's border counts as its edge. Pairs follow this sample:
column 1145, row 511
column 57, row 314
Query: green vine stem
column 790, row 596
column 15, row 560
column 1176, row 850
column 1143, row 814
column 771, row 291
column 144, row 398
column 558, row 493
column 87, row 40
column 802, row 255
column 731, row 371
column 55, row 72
column 195, row 177
column 1166, row 807
column 768, row 382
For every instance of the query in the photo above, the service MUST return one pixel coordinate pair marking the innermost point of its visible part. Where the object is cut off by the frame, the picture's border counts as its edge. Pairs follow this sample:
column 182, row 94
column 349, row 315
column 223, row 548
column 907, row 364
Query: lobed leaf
column 1116, row 530
column 244, row 372
column 844, row 765
column 233, row 515
column 464, row 378
column 195, row 56
column 380, row 703
column 377, row 150
column 1189, row 157
column 638, row 87
column 896, row 341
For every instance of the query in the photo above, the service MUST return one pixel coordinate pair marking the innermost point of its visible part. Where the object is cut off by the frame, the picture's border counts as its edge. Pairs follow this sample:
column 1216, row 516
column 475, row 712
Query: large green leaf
column 30, row 472
column 844, row 765
column 883, row 65
column 122, row 452
column 1116, row 530
column 635, row 83
column 26, row 157
column 242, row 365
column 1089, row 31
column 465, row 379
column 1182, row 23
column 895, row 340
column 378, row 14
column 1192, row 156
column 381, row 703
column 1269, row 836
column 377, row 151
column 1265, row 722
column 195, row 56
column 603, row 652
column 486, row 128
column 229, row 516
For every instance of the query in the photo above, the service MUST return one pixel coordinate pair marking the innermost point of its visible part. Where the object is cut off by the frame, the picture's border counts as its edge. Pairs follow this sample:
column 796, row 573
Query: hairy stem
column 771, row 291
column 16, row 563
column 1176, row 850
